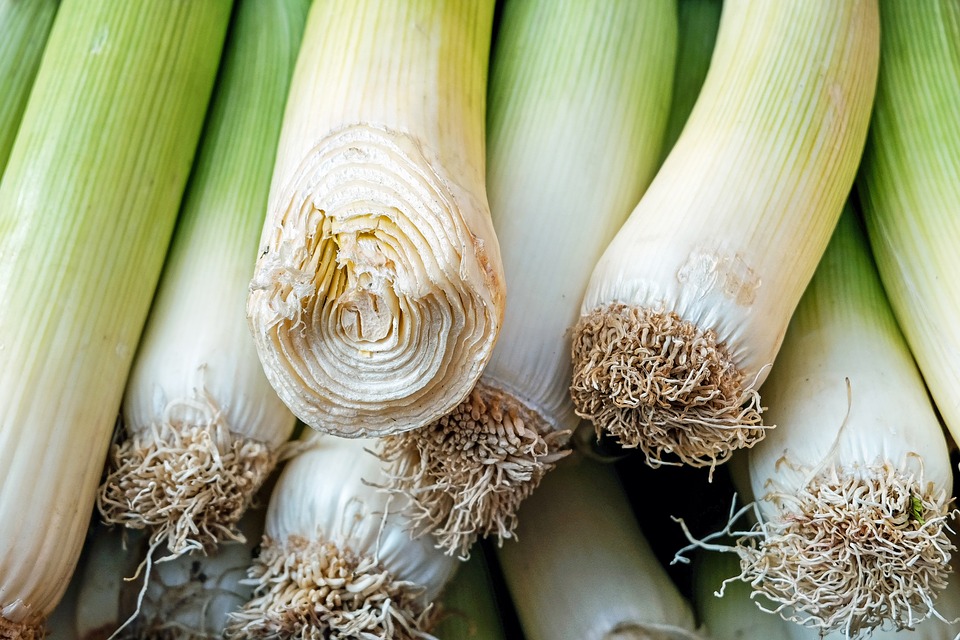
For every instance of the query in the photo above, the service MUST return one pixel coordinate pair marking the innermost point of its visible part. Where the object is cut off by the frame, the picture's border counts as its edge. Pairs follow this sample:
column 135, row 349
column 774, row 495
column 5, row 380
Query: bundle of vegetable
column 87, row 205
column 469, row 607
column 910, row 190
column 854, row 485
column 337, row 560
column 378, row 291
column 581, row 568
column 687, row 307
column 203, row 425
column 24, row 27
column 574, row 140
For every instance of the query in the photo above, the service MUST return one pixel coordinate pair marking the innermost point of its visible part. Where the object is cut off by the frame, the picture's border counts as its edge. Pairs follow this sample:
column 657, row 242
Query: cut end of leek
column 855, row 551
column 189, row 483
column 466, row 474
column 20, row 630
column 373, row 306
column 316, row 590
column 659, row 383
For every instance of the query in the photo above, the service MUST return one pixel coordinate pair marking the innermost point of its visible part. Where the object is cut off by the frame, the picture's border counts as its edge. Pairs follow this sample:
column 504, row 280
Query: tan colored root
column 20, row 630
column 308, row 590
column 189, row 483
column 466, row 474
column 854, row 552
column 659, row 383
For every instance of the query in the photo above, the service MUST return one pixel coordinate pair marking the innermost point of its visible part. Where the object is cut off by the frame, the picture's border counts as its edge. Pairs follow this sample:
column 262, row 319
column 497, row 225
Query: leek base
column 654, row 381
column 190, row 484
column 314, row 590
column 466, row 474
column 854, row 551
column 20, row 630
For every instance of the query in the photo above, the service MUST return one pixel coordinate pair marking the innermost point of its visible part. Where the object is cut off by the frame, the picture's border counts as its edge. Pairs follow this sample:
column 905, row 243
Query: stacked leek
column 686, row 309
column 203, row 425
column 88, row 202
column 574, row 140
column 378, row 290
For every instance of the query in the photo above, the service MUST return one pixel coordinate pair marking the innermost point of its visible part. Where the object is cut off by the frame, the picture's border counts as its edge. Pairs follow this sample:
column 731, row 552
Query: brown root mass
column 466, row 474
column 660, row 383
column 189, row 483
column 308, row 590
column 853, row 552
column 20, row 630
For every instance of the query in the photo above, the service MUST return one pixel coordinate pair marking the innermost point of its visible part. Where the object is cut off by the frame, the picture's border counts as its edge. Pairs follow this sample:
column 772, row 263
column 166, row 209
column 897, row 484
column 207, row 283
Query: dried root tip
column 467, row 473
column 314, row 591
column 659, row 383
column 856, row 550
column 190, row 484
column 20, row 630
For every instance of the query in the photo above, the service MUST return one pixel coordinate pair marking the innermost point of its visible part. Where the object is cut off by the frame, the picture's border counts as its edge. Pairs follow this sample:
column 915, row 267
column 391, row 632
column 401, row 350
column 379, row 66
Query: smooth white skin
column 573, row 142
column 324, row 492
column 580, row 566
column 844, row 330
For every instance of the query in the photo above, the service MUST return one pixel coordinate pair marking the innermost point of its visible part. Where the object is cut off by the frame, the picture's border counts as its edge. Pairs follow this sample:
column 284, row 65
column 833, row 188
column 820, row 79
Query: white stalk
column 203, row 426
column 337, row 560
column 854, row 485
column 378, row 290
column 579, row 97
column 685, row 311
column 88, row 202
column 468, row 606
column 581, row 568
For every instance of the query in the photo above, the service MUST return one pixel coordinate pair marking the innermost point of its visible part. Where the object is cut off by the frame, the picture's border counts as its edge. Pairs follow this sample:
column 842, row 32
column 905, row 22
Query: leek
column 197, row 404
column 378, row 290
column 854, row 485
column 909, row 188
column 88, row 202
column 468, row 605
column 24, row 27
column 687, row 308
column 336, row 560
column 697, row 24
column 574, row 140
column 581, row 568
column 188, row 597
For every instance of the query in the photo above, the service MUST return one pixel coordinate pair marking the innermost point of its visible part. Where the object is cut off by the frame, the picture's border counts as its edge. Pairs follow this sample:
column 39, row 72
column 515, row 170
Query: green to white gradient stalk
column 579, row 98
column 909, row 188
column 697, row 24
column 88, row 202
column 686, row 309
column 24, row 27
column 197, row 402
